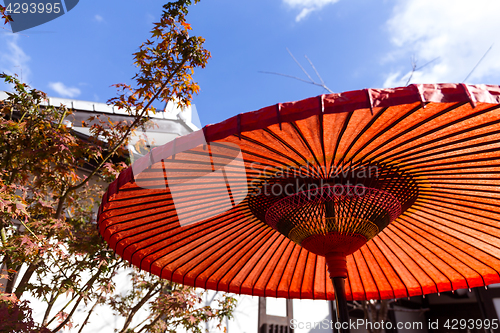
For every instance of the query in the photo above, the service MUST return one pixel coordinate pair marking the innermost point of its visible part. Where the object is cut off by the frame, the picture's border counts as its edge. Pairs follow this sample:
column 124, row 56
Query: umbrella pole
column 337, row 267
column 341, row 304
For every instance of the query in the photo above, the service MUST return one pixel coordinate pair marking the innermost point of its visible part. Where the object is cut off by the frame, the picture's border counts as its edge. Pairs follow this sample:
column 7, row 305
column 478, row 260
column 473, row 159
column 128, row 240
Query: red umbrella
column 395, row 190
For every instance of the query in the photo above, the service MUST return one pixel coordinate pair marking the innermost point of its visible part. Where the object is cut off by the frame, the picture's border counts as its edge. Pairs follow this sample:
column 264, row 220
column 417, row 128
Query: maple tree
column 3, row 16
column 51, row 182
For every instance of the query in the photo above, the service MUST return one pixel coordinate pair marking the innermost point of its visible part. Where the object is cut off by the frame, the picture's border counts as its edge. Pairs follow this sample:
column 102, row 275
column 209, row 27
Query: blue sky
column 353, row 44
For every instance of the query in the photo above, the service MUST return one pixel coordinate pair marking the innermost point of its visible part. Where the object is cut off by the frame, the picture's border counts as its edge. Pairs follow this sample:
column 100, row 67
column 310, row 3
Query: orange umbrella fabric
column 194, row 210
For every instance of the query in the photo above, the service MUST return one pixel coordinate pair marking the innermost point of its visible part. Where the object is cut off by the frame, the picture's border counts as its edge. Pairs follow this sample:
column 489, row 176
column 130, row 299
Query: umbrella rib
column 339, row 138
column 249, row 241
column 467, row 185
column 401, row 261
column 445, row 158
column 202, row 227
column 297, row 248
column 255, row 248
column 276, row 262
column 462, row 190
column 249, row 227
column 361, row 133
column 428, row 152
column 435, row 178
column 401, row 227
column 285, row 267
column 285, row 144
column 161, row 203
column 371, row 274
column 303, row 271
column 448, row 252
column 269, row 159
column 217, row 232
column 402, row 240
column 461, row 168
column 133, row 218
column 272, row 250
column 443, row 193
column 305, row 142
column 411, row 129
column 484, row 159
column 348, row 279
column 234, row 237
column 375, row 262
column 322, row 132
column 382, row 131
column 467, row 212
column 260, row 144
column 359, row 275
column 408, row 151
column 414, row 158
column 138, row 234
column 476, row 238
column 328, row 280
column 314, row 274
column 395, row 155
column 458, row 249
column 375, row 243
column 368, row 264
column 438, row 194
column 269, row 232
column 274, row 238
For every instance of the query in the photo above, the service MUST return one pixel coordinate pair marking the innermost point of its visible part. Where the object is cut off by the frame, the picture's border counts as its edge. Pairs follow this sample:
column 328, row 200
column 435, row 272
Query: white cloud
column 456, row 32
column 13, row 60
column 98, row 18
column 64, row 91
column 307, row 6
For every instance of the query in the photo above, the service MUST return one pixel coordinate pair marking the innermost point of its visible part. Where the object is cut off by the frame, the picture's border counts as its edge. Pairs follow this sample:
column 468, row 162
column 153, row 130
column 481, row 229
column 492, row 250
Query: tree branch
column 21, row 287
column 65, row 321
column 53, row 298
column 85, row 322
column 151, row 292
column 86, row 286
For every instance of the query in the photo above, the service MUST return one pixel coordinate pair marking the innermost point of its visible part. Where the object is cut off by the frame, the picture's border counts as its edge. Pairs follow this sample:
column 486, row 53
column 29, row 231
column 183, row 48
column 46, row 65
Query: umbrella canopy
column 396, row 188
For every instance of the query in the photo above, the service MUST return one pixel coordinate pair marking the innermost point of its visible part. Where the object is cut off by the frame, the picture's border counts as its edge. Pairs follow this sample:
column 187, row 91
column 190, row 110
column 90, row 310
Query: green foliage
column 51, row 182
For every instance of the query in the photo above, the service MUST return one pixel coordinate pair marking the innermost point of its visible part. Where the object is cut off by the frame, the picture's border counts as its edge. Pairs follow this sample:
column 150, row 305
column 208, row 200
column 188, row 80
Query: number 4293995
column 461, row 324
column 41, row 8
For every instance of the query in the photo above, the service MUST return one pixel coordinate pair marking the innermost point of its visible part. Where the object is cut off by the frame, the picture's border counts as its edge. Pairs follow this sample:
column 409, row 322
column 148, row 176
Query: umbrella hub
column 333, row 214
column 338, row 218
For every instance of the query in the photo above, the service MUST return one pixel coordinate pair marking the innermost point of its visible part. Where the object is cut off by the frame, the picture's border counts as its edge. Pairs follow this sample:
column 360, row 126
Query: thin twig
column 312, row 65
column 49, row 252
column 415, row 68
column 480, row 60
column 298, row 78
column 311, row 81
column 151, row 292
column 85, row 322
column 310, row 78
column 290, row 76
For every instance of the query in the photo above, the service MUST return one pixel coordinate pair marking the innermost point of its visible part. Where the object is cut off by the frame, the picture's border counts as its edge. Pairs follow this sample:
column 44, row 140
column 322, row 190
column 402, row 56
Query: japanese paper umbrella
column 394, row 191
